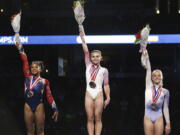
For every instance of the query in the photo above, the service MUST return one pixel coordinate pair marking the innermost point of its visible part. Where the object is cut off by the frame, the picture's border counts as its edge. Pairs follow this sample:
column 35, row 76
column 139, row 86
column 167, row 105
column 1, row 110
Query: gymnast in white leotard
column 156, row 100
column 96, row 77
column 95, row 74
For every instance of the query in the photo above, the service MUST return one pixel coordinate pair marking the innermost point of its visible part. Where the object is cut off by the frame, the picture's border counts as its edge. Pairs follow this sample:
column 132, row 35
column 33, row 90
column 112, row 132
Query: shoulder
column 28, row 76
column 88, row 65
column 105, row 69
column 165, row 91
column 45, row 81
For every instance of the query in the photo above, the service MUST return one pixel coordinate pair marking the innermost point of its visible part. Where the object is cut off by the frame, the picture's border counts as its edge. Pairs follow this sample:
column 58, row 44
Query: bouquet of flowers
column 78, row 7
column 15, row 23
column 142, row 38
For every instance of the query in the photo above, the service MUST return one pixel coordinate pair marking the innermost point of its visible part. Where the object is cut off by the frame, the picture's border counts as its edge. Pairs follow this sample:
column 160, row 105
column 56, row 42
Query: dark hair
column 39, row 63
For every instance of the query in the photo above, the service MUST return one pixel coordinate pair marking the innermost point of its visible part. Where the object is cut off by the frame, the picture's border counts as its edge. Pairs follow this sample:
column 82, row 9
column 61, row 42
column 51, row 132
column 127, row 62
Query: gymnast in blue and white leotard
column 156, row 98
column 35, row 86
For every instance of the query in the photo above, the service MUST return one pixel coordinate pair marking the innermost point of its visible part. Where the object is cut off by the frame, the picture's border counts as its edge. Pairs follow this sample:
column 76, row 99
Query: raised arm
column 50, row 98
column 85, row 48
column 146, row 64
column 106, row 88
column 24, row 59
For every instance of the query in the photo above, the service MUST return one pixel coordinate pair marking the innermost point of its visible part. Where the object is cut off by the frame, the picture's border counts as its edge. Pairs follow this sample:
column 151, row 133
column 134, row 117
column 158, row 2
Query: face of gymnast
column 96, row 57
column 35, row 69
column 157, row 77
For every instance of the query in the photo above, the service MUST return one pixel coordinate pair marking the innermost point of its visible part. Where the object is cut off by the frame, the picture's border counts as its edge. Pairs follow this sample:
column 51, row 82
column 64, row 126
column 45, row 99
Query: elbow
column 165, row 109
column 106, row 87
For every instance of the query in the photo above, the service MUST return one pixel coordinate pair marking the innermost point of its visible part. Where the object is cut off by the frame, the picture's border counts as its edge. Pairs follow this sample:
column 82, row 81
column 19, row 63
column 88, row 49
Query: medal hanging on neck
column 155, row 96
column 31, row 86
column 94, row 73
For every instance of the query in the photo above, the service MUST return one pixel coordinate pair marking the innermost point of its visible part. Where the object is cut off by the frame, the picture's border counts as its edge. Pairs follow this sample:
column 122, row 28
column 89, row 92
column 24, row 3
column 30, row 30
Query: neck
column 36, row 75
column 98, row 64
column 156, row 85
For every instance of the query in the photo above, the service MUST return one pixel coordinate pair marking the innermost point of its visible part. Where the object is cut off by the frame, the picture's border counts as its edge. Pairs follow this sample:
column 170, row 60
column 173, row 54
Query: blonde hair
column 96, row 51
column 161, row 74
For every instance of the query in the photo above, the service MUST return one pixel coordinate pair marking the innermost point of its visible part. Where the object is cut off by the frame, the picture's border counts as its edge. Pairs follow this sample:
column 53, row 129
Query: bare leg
column 159, row 126
column 148, row 126
column 99, row 103
column 39, row 119
column 89, row 106
column 29, row 119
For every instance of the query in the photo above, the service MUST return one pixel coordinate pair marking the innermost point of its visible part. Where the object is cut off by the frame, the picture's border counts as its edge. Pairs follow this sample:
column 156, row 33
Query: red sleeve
column 49, row 96
column 25, row 64
column 87, row 59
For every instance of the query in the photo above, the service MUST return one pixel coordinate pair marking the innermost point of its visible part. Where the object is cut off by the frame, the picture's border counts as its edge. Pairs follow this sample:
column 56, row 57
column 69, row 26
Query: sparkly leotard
column 163, row 101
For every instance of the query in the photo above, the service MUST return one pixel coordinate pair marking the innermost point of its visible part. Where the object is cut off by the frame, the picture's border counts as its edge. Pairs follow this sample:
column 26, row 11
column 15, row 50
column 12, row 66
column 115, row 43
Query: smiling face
column 96, row 57
column 157, row 77
column 35, row 69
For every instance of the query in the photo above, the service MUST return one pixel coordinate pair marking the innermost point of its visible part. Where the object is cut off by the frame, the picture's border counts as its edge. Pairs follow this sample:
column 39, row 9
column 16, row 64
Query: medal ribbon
column 94, row 72
column 35, row 82
column 156, row 94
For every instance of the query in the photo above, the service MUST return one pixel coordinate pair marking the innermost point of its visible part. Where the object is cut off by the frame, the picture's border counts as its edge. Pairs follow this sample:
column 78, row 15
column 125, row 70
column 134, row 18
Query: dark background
column 125, row 113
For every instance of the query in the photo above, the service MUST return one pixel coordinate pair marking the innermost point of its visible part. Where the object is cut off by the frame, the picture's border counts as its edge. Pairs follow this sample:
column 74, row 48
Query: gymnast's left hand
column 167, row 129
column 55, row 116
column 106, row 102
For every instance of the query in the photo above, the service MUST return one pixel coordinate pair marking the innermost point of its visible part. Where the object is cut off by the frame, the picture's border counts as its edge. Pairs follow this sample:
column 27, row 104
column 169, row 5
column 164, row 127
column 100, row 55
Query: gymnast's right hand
column 19, row 45
column 81, row 34
column 145, row 53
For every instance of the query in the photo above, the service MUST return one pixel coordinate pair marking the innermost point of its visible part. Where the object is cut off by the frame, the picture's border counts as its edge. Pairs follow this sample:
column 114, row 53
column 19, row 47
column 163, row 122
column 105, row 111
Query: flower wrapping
column 15, row 22
column 79, row 12
column 142, row 38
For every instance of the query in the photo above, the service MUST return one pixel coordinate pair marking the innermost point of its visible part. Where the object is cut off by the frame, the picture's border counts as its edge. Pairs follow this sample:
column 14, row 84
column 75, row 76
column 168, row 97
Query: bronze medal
column 154, row 106
column 94, row 73
column 92, row 84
